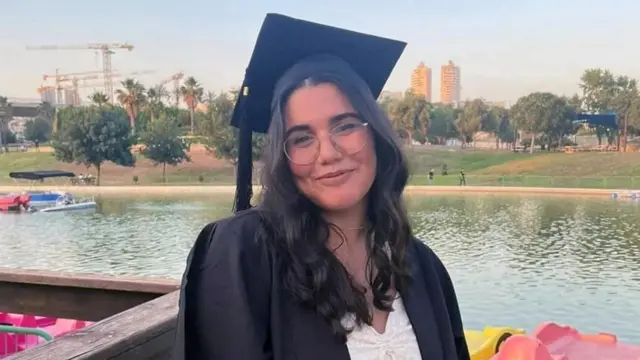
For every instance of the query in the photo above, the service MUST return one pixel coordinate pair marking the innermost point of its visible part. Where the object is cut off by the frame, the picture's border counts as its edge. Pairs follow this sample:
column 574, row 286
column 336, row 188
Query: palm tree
column 99, row 98
column 192, row 93
column 154, row 104
column 132, row 97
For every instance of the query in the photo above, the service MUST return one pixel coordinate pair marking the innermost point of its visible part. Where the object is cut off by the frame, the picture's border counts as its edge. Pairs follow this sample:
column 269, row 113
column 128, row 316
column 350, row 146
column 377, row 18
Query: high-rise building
column 421, row 81
column 450, row 83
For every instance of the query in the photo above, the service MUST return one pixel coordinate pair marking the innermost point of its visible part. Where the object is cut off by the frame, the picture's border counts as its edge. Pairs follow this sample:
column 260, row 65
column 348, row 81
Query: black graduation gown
column 232, row 306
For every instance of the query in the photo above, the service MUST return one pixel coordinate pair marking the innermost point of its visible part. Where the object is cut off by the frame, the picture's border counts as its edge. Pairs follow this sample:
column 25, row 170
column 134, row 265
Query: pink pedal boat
column 551, row 341
column 19, row 332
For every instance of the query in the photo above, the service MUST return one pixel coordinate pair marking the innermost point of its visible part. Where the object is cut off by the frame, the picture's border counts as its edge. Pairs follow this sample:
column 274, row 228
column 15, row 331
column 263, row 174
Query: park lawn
column 483, row 168
column 213, row 171
column 587, row 164
column 424, row 159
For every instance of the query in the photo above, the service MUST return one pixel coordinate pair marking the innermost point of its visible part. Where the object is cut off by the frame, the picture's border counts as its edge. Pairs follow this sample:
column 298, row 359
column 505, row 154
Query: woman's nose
column 327, row 150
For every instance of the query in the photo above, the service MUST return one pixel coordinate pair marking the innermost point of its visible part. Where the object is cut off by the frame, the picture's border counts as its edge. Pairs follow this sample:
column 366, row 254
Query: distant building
column 391, row 94
column 48, row 94
column 450, row 87
column 421, row 81
column 71, row 97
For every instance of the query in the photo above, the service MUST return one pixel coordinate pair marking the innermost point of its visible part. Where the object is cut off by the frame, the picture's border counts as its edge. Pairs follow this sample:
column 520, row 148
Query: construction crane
column 46, row 77
column 105, row 48
column 61, row 79
column 176, row 85
column 74, row 80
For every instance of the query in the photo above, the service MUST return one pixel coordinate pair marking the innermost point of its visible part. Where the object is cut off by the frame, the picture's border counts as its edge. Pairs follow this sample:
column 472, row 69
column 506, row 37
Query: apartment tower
column 450, row 83
column 421, row 81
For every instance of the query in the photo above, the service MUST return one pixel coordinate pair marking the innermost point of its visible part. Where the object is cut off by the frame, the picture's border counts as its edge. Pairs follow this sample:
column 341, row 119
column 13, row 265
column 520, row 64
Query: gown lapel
column 420, row 311
column 195, row 258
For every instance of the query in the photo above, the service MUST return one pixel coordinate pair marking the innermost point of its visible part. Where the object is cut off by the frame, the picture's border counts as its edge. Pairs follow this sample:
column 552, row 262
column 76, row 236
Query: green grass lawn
column 487, row 168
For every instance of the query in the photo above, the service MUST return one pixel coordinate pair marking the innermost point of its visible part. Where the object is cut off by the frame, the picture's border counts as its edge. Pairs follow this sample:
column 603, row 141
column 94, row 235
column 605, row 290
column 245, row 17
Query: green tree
column 48, row 112
column 92, row 136
column 602, row 91
column 218, row 137
column 470, row 121
column 154, row 106
column 409, row 116
column 163, row 144
column 37, row 130
column 498, row 123
column 99, row 98
column 385, row 103
column 623, row 103
column 192, row 93
column 541, row 112
column 6, row 114
column 442, row 123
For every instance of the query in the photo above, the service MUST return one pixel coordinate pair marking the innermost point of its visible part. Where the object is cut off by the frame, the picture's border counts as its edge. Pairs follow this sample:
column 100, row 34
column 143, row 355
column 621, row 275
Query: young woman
column 325, row 267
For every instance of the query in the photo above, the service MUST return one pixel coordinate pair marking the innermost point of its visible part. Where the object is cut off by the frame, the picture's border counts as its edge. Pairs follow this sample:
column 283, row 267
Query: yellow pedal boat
column 486, row 343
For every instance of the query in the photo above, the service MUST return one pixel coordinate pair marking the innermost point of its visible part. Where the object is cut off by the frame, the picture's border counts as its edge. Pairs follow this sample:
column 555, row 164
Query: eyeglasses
column 348, row 137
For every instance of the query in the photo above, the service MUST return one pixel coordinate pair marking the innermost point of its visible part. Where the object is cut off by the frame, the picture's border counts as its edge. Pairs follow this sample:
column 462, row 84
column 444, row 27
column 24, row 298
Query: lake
column 515, row 260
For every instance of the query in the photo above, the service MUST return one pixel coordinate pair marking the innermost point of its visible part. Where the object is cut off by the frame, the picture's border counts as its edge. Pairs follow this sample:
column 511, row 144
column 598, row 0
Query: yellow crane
column 107, row 49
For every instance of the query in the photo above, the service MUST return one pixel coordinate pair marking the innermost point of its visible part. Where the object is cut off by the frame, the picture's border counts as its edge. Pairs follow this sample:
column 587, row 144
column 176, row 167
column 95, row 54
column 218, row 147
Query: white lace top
column 398, row 342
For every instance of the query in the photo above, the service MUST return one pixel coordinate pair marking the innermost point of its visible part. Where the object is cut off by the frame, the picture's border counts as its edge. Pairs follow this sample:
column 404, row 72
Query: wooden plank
column 85, row 297
column 159, row 286
column 144, row 332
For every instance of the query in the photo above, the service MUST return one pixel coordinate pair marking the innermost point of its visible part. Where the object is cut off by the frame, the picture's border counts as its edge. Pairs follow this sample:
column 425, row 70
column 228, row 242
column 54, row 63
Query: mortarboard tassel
column 244, row 167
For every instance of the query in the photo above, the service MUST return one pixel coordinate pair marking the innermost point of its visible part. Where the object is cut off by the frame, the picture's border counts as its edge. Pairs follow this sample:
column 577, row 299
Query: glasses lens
column 301, row 149
column 350, row 136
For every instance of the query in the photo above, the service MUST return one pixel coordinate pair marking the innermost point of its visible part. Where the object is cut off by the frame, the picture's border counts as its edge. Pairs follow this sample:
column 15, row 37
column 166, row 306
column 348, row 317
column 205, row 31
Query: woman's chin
column 337, row 200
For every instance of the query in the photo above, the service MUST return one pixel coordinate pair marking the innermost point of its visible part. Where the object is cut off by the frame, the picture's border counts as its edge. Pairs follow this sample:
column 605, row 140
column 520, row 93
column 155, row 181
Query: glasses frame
column 365, row 126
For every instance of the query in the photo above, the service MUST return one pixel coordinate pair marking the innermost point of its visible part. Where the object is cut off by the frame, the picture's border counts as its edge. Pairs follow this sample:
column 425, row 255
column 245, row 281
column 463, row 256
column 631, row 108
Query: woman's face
column 330, row 150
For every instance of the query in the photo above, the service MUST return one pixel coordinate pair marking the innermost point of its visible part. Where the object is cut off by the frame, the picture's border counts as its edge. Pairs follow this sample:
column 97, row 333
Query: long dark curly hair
column 313, row 275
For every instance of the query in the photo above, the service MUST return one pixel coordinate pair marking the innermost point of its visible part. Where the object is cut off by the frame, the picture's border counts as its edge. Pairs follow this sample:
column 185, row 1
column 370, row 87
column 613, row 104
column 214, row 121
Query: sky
column 505, row 48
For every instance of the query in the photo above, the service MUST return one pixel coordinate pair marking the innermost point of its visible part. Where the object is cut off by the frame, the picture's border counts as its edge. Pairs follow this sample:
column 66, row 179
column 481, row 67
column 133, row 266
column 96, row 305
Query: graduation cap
column 282, row 43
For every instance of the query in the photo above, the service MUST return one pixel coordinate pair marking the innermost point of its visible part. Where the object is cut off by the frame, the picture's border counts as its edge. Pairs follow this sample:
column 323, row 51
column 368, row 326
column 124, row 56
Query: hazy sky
column 505, row 48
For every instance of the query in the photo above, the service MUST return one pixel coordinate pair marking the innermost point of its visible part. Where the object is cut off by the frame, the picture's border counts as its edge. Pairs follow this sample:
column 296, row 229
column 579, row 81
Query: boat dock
column 135, row 316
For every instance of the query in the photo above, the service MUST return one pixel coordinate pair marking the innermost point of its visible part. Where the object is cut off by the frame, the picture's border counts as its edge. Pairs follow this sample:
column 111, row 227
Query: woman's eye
column 345, row 127
column 301, row 140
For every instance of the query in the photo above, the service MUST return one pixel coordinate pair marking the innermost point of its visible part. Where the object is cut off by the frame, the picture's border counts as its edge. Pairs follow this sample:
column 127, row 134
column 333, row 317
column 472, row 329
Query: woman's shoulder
column 428, row 259
column 243, row 222
column 235, row 236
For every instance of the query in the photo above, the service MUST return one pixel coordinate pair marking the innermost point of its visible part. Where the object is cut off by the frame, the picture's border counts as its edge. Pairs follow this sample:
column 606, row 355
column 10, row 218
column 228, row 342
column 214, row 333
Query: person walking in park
column 463, row 179
column 431, row 175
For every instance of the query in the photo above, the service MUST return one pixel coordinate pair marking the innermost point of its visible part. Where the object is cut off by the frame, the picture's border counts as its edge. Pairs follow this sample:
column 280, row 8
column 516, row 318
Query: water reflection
column 525, row 260
column 515, row 260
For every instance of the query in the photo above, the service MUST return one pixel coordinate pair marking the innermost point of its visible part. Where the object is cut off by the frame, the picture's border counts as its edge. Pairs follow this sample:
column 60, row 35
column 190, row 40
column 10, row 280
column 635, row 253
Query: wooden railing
column 136, row 316
column 146, row 331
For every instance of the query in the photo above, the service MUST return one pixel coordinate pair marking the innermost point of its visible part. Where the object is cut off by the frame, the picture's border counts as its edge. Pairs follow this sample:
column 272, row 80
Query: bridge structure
column 28, row 107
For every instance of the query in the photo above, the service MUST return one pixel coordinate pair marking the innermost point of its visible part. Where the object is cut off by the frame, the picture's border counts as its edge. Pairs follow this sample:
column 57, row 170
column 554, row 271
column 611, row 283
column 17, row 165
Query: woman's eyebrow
column 301, row 127
column 339, row 117
column 332, row 120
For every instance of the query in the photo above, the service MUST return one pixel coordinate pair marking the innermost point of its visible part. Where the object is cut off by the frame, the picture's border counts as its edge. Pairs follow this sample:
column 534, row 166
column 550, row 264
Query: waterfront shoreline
column 229, row 189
